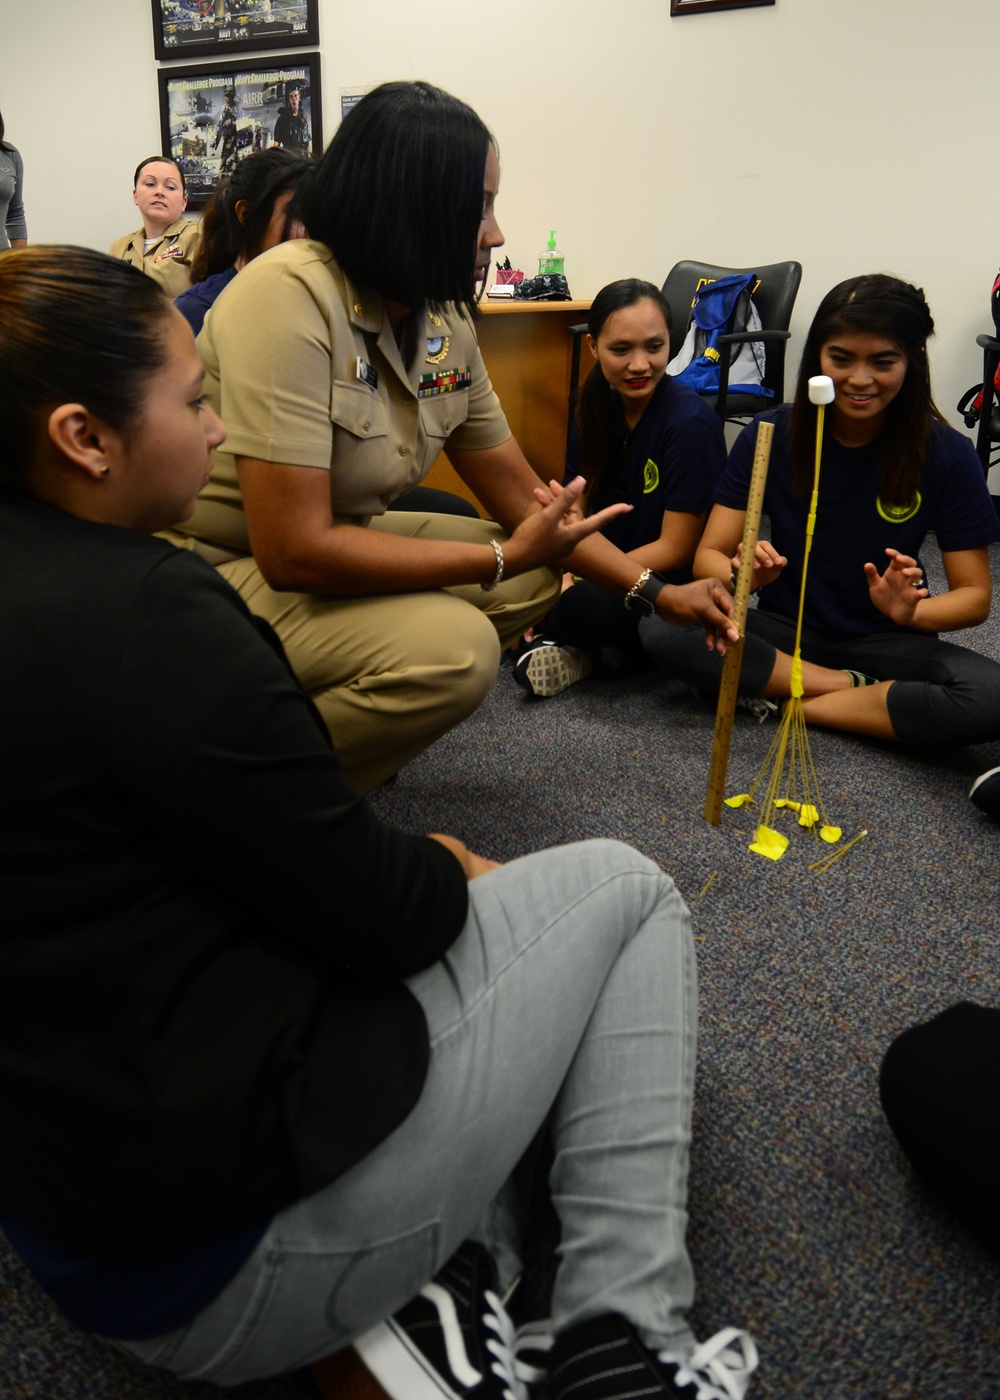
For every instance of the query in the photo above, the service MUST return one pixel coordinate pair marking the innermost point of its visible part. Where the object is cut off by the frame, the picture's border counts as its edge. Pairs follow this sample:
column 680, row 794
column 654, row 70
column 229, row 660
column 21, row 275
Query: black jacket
column 202, row 926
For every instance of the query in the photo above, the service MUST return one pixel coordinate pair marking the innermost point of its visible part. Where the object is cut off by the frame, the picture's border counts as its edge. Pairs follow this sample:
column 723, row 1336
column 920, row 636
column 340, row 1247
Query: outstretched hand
column 707, row 601
column 898, row 591
column 767, row 564
column 552, row 532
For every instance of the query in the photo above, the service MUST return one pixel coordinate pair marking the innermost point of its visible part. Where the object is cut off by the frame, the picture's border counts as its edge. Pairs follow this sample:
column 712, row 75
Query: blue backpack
column 720, row 308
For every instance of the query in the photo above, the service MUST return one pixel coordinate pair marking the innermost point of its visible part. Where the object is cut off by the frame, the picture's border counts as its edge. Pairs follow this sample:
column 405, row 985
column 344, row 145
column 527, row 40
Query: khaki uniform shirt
column 304, row 368
column 168, row 259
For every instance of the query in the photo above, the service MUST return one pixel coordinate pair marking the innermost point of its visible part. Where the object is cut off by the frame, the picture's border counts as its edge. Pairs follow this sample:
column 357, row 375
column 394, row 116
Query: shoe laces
column 502, row 1347
column 534, row 1340
column 720, row 1368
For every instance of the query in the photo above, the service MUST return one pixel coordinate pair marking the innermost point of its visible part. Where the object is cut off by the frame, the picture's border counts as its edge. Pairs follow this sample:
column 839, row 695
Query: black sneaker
column 545, row 668
column 985, row 792
column 453, row 1340
column 603, row 1359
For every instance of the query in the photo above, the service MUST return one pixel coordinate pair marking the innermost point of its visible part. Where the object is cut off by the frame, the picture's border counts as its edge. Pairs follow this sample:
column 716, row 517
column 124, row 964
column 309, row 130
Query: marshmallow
column 821, row 389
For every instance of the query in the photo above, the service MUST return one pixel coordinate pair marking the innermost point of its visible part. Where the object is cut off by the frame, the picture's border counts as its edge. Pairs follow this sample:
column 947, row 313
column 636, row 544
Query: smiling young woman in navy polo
column 892, row 471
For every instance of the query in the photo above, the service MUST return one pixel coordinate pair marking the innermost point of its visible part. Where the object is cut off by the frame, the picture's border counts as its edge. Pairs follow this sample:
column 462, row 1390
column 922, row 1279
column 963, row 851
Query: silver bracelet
column 634, row 590
column 488, row 587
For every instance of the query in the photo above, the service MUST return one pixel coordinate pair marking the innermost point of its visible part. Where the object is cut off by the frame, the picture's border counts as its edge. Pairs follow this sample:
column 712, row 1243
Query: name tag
column 445, row 382
column 366, row 374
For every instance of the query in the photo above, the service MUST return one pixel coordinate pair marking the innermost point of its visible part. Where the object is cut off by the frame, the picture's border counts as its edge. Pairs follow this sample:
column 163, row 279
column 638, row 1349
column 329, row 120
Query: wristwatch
column 642, row 596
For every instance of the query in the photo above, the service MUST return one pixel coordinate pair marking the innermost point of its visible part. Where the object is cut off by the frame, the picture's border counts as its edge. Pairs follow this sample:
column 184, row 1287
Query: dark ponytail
column 75, row 327
column 257, row 182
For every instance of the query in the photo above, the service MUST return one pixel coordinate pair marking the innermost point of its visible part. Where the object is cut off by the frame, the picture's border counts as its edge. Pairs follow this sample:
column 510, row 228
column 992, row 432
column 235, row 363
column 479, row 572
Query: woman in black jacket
column 298, row 1056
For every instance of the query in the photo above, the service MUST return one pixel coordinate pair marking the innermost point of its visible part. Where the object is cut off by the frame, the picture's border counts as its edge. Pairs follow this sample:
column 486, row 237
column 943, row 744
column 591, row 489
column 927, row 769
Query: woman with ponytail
column 249, row 213
column 300, row 1055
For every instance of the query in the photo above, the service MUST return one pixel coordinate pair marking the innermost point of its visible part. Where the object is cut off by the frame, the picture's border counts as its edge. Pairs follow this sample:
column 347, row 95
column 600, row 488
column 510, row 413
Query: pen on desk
column 506, row 265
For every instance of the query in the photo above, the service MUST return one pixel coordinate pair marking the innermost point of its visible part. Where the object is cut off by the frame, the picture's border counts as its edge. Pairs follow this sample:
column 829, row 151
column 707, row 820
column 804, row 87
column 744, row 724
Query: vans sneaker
column 453, row 1341
column 603, row 1359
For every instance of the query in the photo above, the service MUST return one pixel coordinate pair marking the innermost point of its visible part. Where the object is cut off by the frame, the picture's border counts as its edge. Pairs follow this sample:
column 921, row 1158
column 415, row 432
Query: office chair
column 774, row 296
column 988, row 436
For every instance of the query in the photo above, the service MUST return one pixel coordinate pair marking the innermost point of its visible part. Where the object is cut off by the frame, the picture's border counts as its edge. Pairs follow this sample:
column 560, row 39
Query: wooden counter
column 527, row 353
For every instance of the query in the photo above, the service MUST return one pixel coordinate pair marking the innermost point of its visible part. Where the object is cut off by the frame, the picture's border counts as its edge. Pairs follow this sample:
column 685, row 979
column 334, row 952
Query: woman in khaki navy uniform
column 343, row 365
column 165, row 246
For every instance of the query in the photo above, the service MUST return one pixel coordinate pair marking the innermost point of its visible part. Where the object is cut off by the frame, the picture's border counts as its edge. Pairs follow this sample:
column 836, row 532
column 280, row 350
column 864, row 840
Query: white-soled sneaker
column 453, row 1341
column 604, row 1359
column 546, row 669
column 985, row 792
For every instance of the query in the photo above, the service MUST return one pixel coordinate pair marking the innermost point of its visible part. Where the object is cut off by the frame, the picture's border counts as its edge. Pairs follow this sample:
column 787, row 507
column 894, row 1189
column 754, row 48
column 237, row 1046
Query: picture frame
column 697, row 7
column 212, row 115
column 223, row 28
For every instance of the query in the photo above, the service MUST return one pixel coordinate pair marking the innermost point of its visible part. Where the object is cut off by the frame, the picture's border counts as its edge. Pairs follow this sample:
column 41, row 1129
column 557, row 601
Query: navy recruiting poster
column 215, row 117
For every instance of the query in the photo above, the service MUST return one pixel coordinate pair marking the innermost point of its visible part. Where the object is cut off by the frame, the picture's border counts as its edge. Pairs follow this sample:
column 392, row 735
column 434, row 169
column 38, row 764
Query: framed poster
column 213, row 115
column 223, row 28
column 697, row 7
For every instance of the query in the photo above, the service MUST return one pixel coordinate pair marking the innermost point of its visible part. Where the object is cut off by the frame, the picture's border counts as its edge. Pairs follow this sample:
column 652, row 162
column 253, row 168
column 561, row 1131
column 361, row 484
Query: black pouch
column 550, row 286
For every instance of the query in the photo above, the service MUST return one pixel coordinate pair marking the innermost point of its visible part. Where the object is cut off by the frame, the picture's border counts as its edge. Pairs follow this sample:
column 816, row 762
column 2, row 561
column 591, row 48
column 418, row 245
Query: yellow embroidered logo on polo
column 650, row 476
column 896, row 515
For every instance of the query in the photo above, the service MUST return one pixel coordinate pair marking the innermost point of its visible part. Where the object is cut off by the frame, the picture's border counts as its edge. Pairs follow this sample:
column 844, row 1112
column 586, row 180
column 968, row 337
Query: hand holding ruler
column 729, row 685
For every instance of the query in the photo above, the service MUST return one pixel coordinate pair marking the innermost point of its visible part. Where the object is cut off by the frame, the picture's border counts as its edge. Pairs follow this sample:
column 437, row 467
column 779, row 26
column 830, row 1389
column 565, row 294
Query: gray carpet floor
column 805, row 1223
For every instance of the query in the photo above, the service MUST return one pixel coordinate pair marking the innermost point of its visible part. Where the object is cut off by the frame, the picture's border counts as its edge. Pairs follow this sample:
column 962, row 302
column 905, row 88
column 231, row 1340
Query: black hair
column 75, row 327
column 398, row 194
column 257, row 182
column 3, row 144
column 602, row 448
column 153, row 160
column 873, row 304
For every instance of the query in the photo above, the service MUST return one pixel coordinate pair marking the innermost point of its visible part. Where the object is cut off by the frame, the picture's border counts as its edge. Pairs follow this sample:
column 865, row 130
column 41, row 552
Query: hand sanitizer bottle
column 550, row 260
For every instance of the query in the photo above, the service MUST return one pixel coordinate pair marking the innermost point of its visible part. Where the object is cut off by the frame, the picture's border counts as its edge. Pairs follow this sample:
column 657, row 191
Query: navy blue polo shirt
column 853, row 527
column 672, row 460
column 195, row 304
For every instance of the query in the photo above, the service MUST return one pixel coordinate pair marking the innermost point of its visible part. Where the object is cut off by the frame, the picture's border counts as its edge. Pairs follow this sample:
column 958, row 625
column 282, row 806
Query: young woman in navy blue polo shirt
column 892, row 471
column 642, row 438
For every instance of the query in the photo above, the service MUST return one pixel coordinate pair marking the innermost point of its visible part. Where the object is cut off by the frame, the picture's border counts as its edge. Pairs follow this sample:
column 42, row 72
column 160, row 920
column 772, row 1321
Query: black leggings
column 944, row 694
column 940, row 1088
column 590, row 617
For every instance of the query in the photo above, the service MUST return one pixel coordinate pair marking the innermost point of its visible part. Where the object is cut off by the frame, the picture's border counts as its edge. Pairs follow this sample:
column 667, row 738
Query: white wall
column 841, row 132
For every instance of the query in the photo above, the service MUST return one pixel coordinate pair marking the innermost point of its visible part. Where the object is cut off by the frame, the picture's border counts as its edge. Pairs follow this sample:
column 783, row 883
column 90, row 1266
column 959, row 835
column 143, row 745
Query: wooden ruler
column 729, row 686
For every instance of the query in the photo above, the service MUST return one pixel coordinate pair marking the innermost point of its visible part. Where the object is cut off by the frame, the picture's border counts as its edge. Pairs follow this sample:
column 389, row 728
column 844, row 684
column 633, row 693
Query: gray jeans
column 570, row 995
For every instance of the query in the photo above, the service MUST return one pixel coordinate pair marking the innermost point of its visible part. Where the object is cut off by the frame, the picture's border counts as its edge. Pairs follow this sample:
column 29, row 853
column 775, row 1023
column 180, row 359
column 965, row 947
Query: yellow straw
column 796, row 681
column 823, row 865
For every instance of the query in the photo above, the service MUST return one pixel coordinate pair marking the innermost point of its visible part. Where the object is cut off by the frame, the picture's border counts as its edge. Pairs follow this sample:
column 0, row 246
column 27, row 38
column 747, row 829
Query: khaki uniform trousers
column 391, row 673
